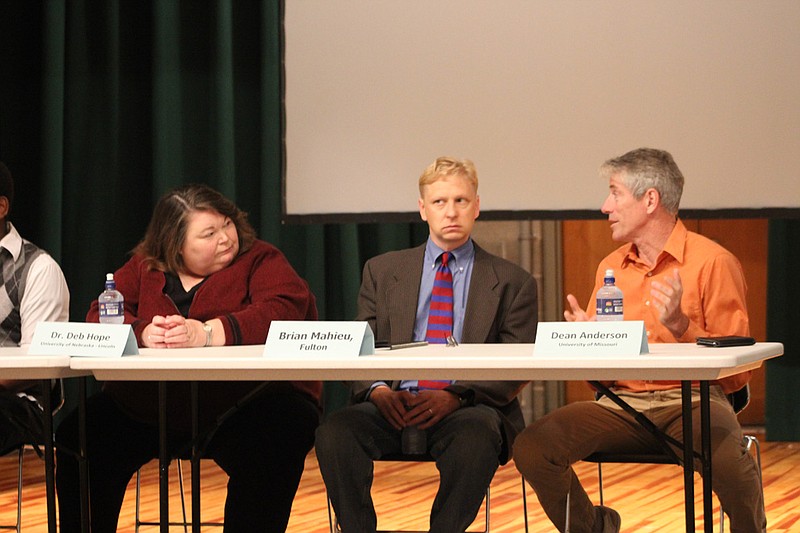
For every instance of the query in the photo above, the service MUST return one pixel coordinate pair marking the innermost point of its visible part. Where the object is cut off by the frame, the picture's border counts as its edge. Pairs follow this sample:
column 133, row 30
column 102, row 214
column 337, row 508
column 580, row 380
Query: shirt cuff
column 373, row 386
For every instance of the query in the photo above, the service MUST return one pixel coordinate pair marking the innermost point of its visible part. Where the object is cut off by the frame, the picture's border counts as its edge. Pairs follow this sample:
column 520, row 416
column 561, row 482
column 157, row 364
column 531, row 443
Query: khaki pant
column 545, row 451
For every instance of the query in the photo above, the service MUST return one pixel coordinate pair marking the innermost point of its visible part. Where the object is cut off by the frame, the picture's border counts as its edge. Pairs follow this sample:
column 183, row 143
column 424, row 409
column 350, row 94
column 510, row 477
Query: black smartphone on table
column 725, row 341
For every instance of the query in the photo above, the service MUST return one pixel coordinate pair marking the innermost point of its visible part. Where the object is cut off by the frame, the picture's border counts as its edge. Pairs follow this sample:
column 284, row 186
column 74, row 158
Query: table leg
column 195, row 459
column 163, row 457
column 688, row 454
column 49, row 461
column 705, row 433
column 83, row 456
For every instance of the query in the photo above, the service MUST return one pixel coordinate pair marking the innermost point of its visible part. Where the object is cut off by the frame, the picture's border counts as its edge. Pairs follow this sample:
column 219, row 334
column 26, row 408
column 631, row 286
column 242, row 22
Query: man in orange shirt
column 683, row 286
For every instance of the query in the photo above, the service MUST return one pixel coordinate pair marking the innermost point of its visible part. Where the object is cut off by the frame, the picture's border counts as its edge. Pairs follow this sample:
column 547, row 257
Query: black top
column 182, row 298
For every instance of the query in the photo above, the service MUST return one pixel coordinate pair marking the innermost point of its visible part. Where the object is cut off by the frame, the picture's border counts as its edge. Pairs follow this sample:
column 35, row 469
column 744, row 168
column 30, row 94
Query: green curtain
column 783, row 317
column 107, row 104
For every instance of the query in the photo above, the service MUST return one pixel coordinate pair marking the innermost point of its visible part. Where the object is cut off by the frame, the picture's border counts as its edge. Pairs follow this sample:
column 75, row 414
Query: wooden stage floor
column 649, row 498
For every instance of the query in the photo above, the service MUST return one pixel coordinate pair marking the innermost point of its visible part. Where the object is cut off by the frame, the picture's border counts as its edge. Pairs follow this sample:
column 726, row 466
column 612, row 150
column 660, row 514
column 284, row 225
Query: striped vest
column 15, row 275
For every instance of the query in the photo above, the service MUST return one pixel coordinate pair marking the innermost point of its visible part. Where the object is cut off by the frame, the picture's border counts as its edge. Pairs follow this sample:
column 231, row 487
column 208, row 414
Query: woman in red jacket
column 200, row 278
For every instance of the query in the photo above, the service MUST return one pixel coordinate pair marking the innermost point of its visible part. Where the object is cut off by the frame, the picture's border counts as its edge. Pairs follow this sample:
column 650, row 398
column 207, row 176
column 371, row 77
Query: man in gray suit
column 469, row 425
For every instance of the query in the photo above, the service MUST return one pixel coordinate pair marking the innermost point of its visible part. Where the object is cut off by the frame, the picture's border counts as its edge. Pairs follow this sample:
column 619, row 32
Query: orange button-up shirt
column 713, row 295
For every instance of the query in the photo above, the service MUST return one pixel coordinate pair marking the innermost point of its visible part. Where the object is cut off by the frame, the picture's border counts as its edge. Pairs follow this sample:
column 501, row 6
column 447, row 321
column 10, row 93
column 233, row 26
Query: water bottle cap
column 109, row 277
column 610, row 273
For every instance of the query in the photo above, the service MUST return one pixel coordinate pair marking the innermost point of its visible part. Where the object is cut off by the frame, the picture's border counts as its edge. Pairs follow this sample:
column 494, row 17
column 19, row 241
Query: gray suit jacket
column 501, row 308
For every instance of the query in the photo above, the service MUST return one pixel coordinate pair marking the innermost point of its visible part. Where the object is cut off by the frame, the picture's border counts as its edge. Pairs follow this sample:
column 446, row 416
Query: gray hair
column 648, row 168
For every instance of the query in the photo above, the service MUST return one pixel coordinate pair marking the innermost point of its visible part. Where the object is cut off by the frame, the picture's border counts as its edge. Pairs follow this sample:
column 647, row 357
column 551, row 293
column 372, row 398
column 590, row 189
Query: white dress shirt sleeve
column 46, row 296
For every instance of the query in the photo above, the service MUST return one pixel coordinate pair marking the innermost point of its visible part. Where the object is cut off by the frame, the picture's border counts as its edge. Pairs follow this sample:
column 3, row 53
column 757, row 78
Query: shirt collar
column 12, row 241
column 675, row 246
column 462, row 254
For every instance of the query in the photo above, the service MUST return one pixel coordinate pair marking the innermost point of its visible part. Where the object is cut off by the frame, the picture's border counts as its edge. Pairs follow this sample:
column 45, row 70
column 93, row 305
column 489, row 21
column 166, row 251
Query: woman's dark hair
column 166, row 233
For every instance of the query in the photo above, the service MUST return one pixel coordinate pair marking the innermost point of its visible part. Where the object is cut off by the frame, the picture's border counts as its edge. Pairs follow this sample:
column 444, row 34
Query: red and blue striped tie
column 440, row 316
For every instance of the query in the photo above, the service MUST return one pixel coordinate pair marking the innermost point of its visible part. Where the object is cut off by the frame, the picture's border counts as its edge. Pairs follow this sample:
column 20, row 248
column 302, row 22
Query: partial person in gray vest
column 33, row 290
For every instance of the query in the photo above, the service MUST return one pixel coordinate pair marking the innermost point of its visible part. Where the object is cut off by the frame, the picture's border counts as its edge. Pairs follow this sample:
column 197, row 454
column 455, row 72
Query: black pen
column 408, row 345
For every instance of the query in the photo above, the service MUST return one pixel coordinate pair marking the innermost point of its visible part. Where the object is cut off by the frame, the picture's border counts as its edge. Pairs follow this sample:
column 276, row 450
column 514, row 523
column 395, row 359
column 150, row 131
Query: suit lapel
column 483, row 300
column 404, row 294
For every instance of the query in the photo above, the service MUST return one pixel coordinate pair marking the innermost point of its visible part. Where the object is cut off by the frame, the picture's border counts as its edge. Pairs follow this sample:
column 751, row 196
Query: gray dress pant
column 466, row 446
column 545, row 451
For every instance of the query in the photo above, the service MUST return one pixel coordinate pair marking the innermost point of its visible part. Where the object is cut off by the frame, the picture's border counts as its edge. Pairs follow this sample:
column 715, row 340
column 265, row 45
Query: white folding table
column 687, row 363
column 15, row 363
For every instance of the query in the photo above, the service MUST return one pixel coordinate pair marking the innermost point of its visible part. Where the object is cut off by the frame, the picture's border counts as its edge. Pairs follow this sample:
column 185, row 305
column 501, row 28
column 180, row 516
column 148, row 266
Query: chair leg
column 600, row 481
column 753, row 442
column 18, row 525
column 19, row 488
column 488, row 500
column 333, row 522
column 525, row 504
column 185, row 522
column 600, row 488
column 137, row 521
column 183, row 497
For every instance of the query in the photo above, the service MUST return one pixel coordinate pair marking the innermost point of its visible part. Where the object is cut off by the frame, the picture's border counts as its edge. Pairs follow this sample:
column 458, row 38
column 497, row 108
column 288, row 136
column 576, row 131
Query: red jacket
column 258, row 287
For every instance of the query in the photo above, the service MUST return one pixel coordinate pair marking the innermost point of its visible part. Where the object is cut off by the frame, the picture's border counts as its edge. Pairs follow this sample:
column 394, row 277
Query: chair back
column 740, row 399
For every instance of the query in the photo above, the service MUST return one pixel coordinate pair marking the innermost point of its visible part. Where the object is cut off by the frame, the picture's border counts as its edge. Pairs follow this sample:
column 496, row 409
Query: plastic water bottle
column 111, row 303
column 413, row 441
column 609, row 299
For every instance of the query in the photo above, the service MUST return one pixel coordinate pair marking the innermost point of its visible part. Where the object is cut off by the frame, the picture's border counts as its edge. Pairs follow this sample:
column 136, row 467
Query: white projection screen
column 538, row 93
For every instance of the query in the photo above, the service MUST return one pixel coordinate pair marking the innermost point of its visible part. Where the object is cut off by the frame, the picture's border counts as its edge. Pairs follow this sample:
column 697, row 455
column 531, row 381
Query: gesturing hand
column 666, row 299
column 575, row 313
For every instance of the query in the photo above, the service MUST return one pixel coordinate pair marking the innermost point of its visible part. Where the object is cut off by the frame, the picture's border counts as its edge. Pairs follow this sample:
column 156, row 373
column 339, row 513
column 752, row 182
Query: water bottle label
column 112, row 309
column 609, row 307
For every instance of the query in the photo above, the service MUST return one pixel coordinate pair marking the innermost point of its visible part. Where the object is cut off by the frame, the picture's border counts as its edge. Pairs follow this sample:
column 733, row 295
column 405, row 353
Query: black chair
column 739, row 400
column 36, row 441
column 334, row 523
column 195, row 449
column 138, row 522
column 18, row 524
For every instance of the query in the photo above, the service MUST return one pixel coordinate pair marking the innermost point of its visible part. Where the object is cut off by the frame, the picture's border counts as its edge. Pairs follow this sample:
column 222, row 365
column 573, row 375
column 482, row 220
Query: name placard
column 304, row 338
column 82, row 339
column 626, row 337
